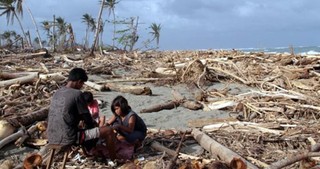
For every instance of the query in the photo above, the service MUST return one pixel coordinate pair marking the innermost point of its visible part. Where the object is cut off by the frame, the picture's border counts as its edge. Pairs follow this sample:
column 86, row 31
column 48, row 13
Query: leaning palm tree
column 97, row 28
column 6, row 36
column 110, row 5
column 92, row 26
column 46, row 27
column 101, row 32
column 155, row 31
column 62, row 31
column 19, row 8
column 10, row 11
column 71, row 39
column 87, row 19
column 33, row 21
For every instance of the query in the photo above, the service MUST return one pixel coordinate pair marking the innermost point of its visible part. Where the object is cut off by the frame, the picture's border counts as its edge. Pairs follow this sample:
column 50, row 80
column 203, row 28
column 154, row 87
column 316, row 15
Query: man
column 67, row 108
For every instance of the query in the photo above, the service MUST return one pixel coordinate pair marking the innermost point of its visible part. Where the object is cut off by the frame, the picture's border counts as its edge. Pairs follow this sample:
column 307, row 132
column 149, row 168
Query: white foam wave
column 311, row 52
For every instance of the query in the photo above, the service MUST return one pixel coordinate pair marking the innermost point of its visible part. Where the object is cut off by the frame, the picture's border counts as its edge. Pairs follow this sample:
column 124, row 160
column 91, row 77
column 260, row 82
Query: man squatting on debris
column 67, row 109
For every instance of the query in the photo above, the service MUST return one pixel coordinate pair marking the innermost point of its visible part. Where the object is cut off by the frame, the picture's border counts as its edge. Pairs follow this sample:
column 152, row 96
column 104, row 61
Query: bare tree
column 97, row 28
column 34, row 23
column 111, row 4
column 87, row 19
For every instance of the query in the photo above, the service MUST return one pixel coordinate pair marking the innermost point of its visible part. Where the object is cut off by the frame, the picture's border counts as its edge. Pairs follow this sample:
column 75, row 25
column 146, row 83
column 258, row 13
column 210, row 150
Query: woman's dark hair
column 122, row 103
column 88, row 97
column 77, row 74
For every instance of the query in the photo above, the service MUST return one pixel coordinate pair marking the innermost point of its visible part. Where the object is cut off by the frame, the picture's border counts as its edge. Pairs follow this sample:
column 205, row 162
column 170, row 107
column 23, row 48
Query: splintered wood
column 275, row 119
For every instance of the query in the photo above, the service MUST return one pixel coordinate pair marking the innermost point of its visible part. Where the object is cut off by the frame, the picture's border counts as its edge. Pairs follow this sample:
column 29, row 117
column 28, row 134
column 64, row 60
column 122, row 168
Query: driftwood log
column 53, row 76
column 29, row 118
column 208, row 121
column 157, row 146
column 163, row 106
column 189, row 104
column 177, row 96
column 136, row 80
column 29, row 132
column 12, row 137
column 192, row 105
column 66, row 58
column 288, row 161
column 217, row 149
column 137, row 90
column 39, row 54
column 7, row 76
column 23, row 78
column 95, row 86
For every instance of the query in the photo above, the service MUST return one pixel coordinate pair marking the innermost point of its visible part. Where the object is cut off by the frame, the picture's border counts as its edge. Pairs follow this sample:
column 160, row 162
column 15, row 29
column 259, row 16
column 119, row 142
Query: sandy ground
column 167, row 119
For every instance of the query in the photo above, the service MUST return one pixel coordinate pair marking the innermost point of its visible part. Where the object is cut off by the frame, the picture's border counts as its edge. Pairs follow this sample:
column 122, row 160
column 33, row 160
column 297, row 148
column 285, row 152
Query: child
column 128, row 124
column 93, row 107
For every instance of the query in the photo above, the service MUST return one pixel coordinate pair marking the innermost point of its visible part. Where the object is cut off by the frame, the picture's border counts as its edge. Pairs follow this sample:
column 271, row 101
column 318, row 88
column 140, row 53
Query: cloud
column 200, row 23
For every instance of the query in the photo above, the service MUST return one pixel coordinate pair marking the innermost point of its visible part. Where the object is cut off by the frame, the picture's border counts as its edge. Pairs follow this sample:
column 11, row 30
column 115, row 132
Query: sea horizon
column 302, row 50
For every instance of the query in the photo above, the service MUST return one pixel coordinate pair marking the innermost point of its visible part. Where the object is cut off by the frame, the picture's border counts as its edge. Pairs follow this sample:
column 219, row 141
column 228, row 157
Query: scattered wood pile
column 273, row 125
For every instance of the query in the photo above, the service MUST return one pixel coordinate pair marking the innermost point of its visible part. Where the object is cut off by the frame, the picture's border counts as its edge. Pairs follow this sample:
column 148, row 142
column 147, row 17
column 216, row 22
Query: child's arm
column 130, row 128
column 111, row 120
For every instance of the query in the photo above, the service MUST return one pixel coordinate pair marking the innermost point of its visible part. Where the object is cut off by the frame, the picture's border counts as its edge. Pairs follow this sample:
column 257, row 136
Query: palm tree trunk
column 29, row 37
column 23, row 32
column 54, row 33
column 114, row 28
column 101, row 35
column 134, row 27
column 35, row 25
column 97, row 28
column 86, row 39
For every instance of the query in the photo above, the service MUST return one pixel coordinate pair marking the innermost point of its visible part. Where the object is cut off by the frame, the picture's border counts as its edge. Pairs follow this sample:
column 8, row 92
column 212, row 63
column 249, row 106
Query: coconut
column 6, row 129
column 32, row 161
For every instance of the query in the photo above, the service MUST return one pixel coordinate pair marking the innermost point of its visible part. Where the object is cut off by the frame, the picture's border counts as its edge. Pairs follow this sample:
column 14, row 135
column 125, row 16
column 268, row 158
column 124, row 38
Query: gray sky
column 196, row 24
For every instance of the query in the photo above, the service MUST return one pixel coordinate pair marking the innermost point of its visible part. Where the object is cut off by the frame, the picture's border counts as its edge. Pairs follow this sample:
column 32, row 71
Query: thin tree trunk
column 86, row 39
column 29, row 38
column 291, row 160
column 23, row 32
column 54, row 33
column 218, row 149
column 172, row 162
column 97, row 28
column 101, row 42
column 133, row 39
column 71, row 37
column 114, row 29
column 31, row 130
column 35, row 25
column 159, row 147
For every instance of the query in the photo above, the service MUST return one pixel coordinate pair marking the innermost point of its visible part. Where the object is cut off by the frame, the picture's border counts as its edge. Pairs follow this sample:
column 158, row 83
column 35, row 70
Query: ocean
column 303, row 50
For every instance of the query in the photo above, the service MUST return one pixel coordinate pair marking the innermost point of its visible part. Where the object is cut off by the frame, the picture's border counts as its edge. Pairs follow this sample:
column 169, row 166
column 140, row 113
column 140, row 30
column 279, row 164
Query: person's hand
column 116, row 127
